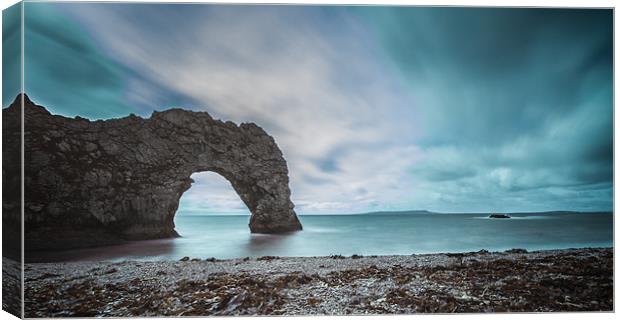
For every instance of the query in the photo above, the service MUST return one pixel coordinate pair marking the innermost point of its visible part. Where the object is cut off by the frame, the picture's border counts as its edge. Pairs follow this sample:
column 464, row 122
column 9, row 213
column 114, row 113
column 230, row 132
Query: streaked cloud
column 444, row 109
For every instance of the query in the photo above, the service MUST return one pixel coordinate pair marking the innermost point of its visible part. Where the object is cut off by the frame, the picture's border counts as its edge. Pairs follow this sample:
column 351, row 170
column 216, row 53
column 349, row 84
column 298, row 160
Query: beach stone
column 96, row 182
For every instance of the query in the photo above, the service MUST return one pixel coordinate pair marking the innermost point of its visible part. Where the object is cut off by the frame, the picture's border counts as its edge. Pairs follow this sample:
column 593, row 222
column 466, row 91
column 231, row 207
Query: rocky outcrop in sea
column 90, row 183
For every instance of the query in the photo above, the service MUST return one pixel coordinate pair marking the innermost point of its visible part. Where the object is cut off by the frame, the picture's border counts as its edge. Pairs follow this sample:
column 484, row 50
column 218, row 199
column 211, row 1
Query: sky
column 375, row 108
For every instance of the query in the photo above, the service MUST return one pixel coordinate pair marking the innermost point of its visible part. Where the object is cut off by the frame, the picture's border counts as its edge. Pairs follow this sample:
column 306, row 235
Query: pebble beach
column 509, row 281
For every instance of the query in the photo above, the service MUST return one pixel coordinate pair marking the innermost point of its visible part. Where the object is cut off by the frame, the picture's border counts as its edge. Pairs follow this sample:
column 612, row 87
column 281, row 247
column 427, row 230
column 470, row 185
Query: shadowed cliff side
column 91, row 183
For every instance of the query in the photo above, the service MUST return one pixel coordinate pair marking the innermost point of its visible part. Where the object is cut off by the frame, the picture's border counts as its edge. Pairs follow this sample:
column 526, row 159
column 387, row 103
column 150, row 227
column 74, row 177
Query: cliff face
column 97, row 182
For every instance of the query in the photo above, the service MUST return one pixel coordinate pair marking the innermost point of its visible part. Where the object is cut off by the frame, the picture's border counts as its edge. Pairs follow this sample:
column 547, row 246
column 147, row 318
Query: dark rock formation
column 499, row 216
column 97, row 182
column 11, row 188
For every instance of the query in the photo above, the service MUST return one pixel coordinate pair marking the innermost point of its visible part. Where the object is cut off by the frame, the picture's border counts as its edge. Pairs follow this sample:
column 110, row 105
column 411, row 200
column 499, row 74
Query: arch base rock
column 91, row 183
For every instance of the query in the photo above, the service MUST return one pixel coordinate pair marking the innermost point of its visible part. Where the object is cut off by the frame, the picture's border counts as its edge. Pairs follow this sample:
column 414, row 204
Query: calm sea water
column 387, row 234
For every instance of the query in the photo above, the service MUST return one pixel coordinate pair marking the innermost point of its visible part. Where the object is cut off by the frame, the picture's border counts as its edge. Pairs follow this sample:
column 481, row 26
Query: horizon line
column 402, row 211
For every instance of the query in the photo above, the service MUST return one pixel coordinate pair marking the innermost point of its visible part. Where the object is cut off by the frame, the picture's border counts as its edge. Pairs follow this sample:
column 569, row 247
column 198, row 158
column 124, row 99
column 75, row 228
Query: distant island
column 400, row 212
column 491, row 215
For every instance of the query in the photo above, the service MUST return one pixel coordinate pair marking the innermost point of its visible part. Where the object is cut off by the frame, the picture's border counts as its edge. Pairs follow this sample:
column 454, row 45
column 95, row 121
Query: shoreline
column 509, row 281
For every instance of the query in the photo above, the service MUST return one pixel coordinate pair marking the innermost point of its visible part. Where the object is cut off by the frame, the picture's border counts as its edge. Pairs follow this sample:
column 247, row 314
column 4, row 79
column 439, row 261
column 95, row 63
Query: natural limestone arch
column 94, row 182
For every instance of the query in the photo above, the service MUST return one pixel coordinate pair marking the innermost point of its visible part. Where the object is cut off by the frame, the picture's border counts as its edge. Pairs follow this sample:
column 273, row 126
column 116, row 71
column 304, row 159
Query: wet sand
column 511, row 281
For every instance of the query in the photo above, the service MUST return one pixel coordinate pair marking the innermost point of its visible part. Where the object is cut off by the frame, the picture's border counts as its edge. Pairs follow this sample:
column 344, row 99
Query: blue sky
column 375, row 108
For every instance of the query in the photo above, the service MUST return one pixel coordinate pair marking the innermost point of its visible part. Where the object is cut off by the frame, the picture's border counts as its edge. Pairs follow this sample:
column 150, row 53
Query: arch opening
column 211, row 194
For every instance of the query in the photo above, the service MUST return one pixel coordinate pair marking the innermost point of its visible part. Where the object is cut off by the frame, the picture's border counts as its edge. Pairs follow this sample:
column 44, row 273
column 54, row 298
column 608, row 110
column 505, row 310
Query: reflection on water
column 137, row 249
column 520, row 218
column 229, row 237
column 266, row 242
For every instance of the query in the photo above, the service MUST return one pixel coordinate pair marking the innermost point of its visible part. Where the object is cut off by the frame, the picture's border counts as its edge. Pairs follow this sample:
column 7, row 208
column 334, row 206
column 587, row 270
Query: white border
column 486, row 3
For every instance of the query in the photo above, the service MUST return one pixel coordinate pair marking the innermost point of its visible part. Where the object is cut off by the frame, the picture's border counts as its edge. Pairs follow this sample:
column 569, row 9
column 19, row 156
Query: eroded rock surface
column 97, row 182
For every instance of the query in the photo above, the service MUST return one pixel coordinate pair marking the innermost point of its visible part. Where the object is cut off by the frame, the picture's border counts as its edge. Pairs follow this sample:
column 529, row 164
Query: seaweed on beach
column 569, row 280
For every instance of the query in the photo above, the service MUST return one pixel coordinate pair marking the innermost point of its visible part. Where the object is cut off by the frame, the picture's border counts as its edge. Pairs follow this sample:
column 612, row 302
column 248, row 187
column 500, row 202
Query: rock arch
column 101, row 181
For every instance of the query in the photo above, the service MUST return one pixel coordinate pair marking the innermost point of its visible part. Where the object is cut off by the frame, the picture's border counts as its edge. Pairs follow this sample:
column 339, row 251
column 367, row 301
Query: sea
column 228, row 236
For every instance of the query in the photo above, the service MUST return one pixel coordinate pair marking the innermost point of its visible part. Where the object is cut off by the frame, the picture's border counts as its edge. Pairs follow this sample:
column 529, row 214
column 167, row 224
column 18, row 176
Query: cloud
column 500, row 71
column 61, row 59
column 11, row 54
column 375, row 108
column 276, row 67
column 511, row 102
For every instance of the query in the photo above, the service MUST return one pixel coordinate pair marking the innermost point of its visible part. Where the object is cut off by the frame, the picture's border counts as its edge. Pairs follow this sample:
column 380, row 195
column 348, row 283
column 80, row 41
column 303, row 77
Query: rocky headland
column 91, row 183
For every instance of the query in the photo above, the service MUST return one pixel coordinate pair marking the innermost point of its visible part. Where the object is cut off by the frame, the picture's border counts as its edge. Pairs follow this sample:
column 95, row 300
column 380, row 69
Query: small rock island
column 499, row 216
